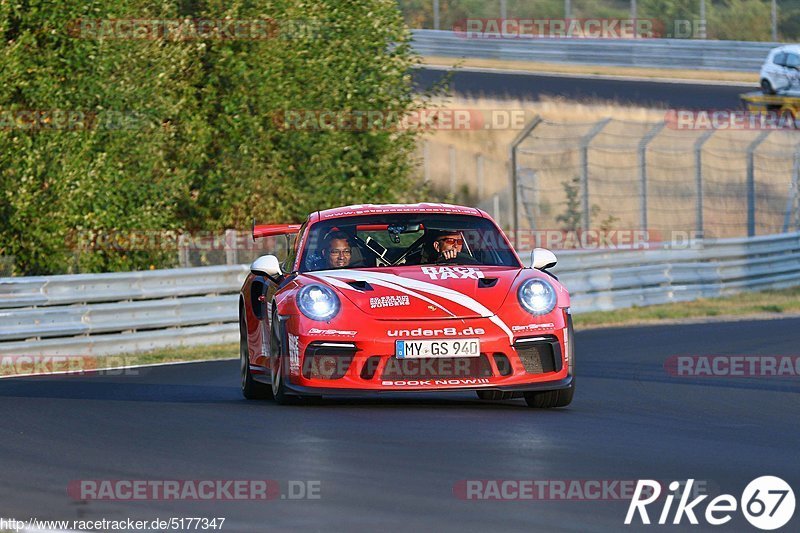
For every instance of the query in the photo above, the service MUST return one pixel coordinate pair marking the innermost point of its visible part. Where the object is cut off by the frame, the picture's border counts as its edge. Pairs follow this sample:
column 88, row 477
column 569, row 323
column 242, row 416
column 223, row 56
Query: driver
column 337, row 250
column 447, row 246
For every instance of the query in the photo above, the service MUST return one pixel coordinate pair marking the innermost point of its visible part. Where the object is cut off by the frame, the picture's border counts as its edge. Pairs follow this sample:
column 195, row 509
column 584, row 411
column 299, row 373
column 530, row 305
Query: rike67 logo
column 767, row 503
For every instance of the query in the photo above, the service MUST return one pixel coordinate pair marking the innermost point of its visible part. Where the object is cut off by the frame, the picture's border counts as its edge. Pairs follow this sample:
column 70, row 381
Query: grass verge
column 598, row 70
column 755, row 304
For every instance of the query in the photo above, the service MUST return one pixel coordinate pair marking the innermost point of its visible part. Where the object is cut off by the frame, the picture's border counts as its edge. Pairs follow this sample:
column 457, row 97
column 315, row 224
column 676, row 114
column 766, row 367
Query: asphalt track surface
column 655, row 94
column 391, row 463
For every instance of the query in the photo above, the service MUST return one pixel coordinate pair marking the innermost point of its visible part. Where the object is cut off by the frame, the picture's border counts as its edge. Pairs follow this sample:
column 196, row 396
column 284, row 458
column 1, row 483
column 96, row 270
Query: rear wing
column 270, row 230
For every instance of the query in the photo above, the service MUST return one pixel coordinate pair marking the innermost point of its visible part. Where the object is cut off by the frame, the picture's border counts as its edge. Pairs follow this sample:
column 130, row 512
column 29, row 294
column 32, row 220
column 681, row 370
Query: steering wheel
column 460, row 258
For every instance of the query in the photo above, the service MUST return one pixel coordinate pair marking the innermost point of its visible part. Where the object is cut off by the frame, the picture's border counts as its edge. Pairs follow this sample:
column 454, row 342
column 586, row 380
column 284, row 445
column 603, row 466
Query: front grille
column 327, row 360
column 539, row 355
column 437, row 368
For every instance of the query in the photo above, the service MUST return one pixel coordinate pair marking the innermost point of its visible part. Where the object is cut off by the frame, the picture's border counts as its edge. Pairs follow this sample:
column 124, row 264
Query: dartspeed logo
column 767, row 503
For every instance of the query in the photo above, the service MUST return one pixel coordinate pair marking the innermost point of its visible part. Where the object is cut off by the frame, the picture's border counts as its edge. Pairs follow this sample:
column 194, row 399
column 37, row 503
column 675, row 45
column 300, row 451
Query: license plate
column 411, row 349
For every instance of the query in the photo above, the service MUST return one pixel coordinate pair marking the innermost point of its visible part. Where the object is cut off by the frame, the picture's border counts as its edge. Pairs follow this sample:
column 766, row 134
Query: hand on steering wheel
column 456, row 257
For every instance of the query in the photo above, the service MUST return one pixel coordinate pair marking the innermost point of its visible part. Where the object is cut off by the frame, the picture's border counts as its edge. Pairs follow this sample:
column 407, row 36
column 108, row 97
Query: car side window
column 291, row 257
column 780, row 59
column 792, row 60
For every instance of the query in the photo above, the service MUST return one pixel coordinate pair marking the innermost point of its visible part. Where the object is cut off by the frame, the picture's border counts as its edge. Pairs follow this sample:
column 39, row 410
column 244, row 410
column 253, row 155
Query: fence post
column 585, row 141
column 751, row 183
column 479, row 174
column 649, row 136
column 698, row 179
column 436, row 24
column 452, row 150
column 521, row 136
column 426, row 161
column 791, row 201
column 231, row 247
column 183, row 251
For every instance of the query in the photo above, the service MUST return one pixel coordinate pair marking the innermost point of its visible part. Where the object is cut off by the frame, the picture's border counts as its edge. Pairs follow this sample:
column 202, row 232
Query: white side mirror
column 266, row 265
column 542, row 259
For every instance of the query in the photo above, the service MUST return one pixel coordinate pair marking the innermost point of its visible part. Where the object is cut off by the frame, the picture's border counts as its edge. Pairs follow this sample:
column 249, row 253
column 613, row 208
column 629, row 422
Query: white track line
column 490, row 70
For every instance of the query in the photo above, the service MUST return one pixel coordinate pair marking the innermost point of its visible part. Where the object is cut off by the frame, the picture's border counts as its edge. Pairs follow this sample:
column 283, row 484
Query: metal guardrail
column 105, row 314
column 603, row 280
column 652, row 53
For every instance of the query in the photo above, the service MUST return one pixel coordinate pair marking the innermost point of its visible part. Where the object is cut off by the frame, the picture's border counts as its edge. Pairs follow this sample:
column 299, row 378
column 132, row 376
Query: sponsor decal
column 767, row 502
column 533, row 327
column 389, row 301
column 420, row 332
column 433, row 382
column 337, row 332
column 294, row 354
column 455, row 272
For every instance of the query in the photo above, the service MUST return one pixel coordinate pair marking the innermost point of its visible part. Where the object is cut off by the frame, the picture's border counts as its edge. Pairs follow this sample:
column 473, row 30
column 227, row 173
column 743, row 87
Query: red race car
column 391, row 298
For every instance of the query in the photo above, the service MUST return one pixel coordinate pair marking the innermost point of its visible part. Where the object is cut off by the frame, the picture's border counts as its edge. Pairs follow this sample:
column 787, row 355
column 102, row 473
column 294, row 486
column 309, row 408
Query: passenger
column 337, row 249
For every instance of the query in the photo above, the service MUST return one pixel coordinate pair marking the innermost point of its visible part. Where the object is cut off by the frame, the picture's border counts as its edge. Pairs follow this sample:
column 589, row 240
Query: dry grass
column 631, row 72
column 763, row 305
column 614, row 166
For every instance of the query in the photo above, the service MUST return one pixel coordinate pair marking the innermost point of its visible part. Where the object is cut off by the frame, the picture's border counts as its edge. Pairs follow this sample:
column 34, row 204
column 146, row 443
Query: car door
column 262, row 291
column 776, row 70
column 792, row 72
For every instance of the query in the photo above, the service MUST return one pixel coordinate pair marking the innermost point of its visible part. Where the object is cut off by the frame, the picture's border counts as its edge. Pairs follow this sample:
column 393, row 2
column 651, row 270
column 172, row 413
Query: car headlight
column 318, row 302
column 537, row 296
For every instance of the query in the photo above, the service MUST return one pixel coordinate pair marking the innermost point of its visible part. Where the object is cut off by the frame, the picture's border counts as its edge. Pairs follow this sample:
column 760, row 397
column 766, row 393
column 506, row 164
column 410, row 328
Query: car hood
column 422, row 293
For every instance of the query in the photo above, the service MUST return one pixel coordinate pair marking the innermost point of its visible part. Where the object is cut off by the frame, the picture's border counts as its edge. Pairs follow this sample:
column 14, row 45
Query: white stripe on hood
column 443, row 292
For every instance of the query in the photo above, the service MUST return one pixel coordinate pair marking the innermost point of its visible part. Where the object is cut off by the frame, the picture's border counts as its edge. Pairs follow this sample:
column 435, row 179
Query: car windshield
column 377, row 241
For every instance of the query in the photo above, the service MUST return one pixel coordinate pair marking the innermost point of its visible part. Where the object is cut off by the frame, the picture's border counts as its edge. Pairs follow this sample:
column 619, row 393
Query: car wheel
column 550, row 398
column 562, row 397
column 766, row 87
column 278, row 357
column 251, row 389
column 496, row 395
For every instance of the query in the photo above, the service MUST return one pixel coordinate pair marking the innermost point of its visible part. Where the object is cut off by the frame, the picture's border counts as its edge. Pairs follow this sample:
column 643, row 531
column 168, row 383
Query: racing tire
column 766, row 87
column 251, row 389
column 278, row 346
column 550, row 398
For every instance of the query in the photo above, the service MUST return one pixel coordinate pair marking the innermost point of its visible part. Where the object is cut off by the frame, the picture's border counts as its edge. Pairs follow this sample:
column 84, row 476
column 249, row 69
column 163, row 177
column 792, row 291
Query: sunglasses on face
column 451, row 241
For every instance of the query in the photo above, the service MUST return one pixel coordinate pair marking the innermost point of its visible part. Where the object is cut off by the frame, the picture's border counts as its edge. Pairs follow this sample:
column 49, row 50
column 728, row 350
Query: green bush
column 171, row 134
